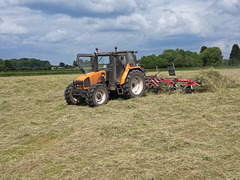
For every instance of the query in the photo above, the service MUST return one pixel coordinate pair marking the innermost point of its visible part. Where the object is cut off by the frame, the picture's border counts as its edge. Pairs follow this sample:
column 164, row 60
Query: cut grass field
column 159, row 136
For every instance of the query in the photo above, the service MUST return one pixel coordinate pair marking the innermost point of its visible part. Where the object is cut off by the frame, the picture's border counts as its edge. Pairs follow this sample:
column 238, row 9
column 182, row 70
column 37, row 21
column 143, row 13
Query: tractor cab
column 103, row 60
column 112, row 64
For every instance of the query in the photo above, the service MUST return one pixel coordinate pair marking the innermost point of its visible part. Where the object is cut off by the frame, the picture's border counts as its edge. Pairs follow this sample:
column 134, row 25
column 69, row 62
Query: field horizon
column 170, row 135
column 78, row 72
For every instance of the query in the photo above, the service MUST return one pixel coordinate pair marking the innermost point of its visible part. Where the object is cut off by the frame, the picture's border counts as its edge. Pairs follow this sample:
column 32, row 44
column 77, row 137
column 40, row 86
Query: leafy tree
column 66, row 66
column 1, row 65
column 234, row 56
column 181, row 52
column 161, row 62
column 47, row 65
column 148, row 62
column 203, row 49
column 8, row 65
column 143, row 62
column 75, row 63
column 24, row 64
column 193, row 59
column 181, row 58
column 61, row 64
column 212, row 56
column 170, row 55
column 179, row 61
column 153, row 59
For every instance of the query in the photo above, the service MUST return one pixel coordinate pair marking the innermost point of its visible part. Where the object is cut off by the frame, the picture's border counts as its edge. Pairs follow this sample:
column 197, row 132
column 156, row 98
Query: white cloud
column 222, row 44
column 110, row 6
column 8, row 27
column 134, row 21
column 231, row 6
column 55, row 36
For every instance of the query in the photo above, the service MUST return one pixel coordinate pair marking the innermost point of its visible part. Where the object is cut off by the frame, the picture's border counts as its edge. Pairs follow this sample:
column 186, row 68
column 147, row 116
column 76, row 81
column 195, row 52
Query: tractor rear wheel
column 70, row 98
column 135, row 84
column 97, row 95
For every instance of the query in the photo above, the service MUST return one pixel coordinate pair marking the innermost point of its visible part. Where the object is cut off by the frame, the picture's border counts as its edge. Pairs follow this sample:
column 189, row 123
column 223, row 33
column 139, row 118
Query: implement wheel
column 135, row 84
column 97, row 95
column 189, row 90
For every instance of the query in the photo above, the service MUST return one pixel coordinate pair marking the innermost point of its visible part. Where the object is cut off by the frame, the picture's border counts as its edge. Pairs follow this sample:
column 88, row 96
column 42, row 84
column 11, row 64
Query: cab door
column 121, row 62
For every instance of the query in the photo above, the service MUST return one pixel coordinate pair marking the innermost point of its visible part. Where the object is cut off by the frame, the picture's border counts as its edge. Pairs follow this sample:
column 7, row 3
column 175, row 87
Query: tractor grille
column 78, row 84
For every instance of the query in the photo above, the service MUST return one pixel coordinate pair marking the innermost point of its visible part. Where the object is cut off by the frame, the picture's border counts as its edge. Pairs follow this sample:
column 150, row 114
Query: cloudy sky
column 56, row 30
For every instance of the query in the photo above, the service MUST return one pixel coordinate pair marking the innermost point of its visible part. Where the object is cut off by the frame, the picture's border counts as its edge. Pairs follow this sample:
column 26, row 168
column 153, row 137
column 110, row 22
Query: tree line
column 24, row 64
column 208, row 56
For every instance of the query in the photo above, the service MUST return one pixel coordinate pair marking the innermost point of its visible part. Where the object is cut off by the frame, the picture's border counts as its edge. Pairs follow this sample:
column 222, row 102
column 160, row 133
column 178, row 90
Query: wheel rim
column 100, row 96
column 136, row 85
column 73, row 98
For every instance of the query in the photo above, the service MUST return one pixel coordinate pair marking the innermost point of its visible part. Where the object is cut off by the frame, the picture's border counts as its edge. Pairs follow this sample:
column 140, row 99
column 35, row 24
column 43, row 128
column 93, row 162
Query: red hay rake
column 172, row 84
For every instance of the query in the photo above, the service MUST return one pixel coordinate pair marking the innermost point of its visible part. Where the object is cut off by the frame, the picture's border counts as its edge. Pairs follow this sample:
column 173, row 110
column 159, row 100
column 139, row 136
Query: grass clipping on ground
column 159, row 136
column 215, row 81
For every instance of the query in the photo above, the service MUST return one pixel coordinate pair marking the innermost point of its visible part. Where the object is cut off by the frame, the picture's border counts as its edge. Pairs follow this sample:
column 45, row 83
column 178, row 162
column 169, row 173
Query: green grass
column 164, row 136
column 38, row 73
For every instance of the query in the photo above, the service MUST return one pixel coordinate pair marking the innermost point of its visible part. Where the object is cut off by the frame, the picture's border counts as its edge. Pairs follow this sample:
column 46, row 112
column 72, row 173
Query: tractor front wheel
column 135, row 84
column 97, row 95
column 70, row 98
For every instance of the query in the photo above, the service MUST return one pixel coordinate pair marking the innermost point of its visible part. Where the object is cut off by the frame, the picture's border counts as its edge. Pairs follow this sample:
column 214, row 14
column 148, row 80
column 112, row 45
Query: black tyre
column 189, row 90
column 157, row 90
column 97, row 95
column 134, row 85
column 69, row 97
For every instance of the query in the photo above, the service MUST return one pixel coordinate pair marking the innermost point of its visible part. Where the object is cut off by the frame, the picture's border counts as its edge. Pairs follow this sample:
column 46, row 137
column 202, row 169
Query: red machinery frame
column 187, row 86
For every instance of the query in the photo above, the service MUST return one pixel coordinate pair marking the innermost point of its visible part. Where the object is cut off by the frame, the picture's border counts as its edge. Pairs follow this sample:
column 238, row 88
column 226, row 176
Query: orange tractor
column 106, row 73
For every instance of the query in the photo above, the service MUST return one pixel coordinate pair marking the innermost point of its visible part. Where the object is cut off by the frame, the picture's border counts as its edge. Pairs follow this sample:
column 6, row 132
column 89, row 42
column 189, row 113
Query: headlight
column 78, row 83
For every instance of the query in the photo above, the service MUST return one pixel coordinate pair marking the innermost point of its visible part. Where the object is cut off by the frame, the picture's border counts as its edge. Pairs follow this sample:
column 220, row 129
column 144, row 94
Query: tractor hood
column 91, row 78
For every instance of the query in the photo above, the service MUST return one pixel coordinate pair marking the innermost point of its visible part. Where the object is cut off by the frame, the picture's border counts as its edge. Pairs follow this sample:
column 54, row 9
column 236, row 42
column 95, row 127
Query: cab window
column 103, row 62
column 132, row 58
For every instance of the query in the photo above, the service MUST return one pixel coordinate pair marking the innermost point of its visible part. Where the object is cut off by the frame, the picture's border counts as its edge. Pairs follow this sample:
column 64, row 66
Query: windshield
column 85, row 63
